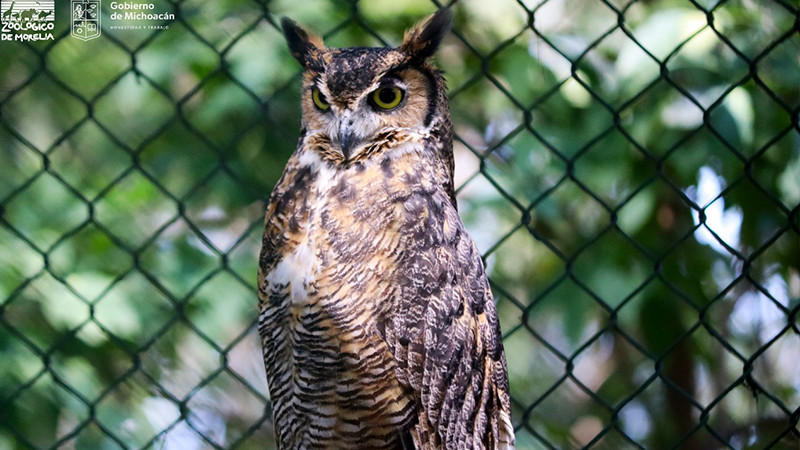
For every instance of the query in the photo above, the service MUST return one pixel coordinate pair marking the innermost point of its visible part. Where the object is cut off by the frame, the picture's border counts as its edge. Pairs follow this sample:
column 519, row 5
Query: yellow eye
column 387, row 98
column 319, row 100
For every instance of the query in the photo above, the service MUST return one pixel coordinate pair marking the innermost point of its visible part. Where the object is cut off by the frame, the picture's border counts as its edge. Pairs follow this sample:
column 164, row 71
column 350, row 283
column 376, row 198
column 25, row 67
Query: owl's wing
column 445, row 333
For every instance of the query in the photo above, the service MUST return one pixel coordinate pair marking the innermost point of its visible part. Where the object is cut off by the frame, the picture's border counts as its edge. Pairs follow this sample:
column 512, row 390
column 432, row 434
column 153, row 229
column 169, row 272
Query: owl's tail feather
column 506, row 432
column 502, row 431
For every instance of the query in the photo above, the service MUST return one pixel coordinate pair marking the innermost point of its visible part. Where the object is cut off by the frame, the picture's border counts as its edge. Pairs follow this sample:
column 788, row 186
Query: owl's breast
column 337, row 232
column 330, row 280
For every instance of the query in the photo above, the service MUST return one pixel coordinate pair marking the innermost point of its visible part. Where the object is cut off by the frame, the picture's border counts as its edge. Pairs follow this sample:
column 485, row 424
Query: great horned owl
column 376, row 318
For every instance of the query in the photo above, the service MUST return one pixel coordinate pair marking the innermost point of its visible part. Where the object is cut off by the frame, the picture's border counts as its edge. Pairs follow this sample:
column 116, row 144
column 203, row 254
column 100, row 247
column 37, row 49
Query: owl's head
column 353, row 96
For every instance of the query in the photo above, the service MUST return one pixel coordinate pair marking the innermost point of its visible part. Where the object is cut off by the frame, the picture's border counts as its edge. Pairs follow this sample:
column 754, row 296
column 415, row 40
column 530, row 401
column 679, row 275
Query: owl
column 377, row 323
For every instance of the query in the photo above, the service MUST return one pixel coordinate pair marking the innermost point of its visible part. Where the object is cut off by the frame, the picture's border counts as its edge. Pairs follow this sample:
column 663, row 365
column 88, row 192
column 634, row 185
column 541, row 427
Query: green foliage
column 630, row 171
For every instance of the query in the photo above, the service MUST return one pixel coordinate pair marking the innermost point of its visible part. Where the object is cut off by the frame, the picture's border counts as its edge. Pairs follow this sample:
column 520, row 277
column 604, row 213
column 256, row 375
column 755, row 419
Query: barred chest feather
column 343, row 215
column 328, row 295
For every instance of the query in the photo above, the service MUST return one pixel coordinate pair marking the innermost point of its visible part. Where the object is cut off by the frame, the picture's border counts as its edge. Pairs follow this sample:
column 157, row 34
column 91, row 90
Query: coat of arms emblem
column 85, row 19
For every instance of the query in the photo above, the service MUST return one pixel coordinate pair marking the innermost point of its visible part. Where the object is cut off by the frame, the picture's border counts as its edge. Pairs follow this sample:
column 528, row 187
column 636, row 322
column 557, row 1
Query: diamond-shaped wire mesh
column 630, row 169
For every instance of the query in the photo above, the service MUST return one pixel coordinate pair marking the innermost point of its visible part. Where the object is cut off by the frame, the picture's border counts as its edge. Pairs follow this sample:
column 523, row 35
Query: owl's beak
column 348, row 139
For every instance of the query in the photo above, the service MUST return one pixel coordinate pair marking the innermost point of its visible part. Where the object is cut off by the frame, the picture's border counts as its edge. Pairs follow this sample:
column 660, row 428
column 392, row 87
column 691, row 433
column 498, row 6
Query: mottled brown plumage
column 378, row 326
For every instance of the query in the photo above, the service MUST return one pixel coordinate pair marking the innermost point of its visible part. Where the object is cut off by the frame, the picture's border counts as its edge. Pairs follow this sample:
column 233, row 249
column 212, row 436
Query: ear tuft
column 422, row 41
column 306, row 49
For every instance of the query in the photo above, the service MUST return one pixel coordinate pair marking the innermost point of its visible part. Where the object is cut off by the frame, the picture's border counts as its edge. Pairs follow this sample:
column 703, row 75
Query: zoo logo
column 85, row 19
column 27, row 15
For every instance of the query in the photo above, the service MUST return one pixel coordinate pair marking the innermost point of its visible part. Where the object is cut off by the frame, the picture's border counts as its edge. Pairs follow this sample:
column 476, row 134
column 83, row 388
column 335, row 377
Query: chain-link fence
column 630, row 169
